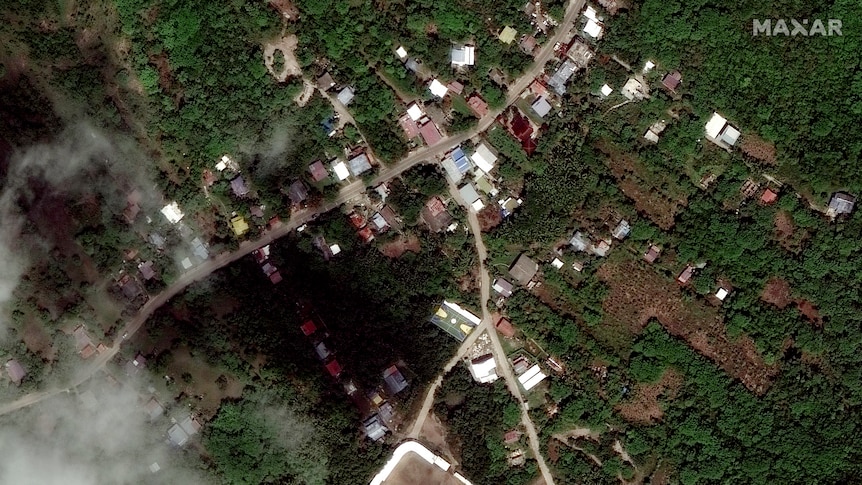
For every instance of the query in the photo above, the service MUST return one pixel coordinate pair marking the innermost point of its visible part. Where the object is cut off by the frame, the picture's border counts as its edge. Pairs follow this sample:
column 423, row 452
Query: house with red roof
column 430, row 133
column 308, row 327
column 768, row 197
column 504, row 326
column 478, row 105
column 334, row 368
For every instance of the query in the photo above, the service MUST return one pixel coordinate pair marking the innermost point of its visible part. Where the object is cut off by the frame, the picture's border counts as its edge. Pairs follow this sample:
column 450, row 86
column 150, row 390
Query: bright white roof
column 187, row 263
column 593, row 29
column 485, row 370
column 438, row 89
column 220, row 166
column 532, row 377
column 484, row 158
column 172, row 212
column 414, row 111
column 335, row 249
column 478, row 205
column 606, row 90
column 649, row 135
column 590, row 13
column 557, row 263
column 721, row 294
column 402, row 52
column 463, row 56
column 648, row 66
column 341, row 170
column 714, row 125
column 462, row 312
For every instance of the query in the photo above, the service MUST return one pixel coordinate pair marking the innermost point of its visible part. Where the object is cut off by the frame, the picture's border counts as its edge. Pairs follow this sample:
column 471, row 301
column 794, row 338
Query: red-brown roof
column 275, row 277
column 411, row 129
column 334, row 368
column 308, row 327
column 356, row 220
column 456, row 87
column 672, row 80
column 512, row 436
column 686, row 274
column 365, row 234
column 430, row 133
column 318, row 171
column 478, row 105
column 435, row 206
column 505, row 328
column 768, row 196
column 652, row 254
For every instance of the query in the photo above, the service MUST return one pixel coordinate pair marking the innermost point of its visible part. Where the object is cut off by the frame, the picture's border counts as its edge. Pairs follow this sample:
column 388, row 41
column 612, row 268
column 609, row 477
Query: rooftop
column 239, row 225
column 523, row 269
column 438, row 89
column 238, row 186
column 394, row 380
column 172, row 212
column 507, row 35
column 340, row 169
column 359, row 164
column 463, row 56
column 541, row 106
column 318, row 171
column 345, row 96
column 484, row 369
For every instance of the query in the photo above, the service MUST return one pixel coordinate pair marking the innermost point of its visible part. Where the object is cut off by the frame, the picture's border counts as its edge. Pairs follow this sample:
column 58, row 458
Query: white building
column 606, row 90
column 532, row 377
column 414, row 112
column 172, row 212
column 720, row 132
column 438, row 89
column 402, row 52
column 721, row 294
column 484, row 158
column 340, row 169
column 483, row 369
column 463, row 56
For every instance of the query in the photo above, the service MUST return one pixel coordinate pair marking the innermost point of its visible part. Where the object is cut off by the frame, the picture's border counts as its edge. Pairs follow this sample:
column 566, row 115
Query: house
column 437, row 88
column 154, row 409
column 401, row 52
column 390, row 217
column 199, row 249
column 239, row 225
column 622, row 230
column 686, row 275
column 275, row 277
column 504, row 326
column 541, row 106
column 509, row 205
column 516, row 458
column 430, row 133
column 634, row 90
column 359, row 164
column 483, row 369
column 261, row 254
column 655, row 130
column 146, row 269
column 580, row 53
column 578, row 266
column 334, row 368
column 651, row 137
column 721, row 294
column 528, row 45
column 374, row 428
column 768, row 197
column 238, row 186
column 485, row 185
column 180, row 433
column 325, row 82
column 471, row 197
column 157, row 240
column 463, row 56
column 652, row 253
column 523, row 270
column 186, row 263
column 507, row 35
column 172, row 213
column 519, row 126
column 83, row 344
column 720, row 132
column 365, row 234
column 414, row 111
column 840, row 204
column 411, row 129
column 671, row 81
column 594, row 26
column 318, row 171
column 340, row 169
column 561, row 76
column 256, row 210
column 455, row 87
column 503, row 287
column 394, row 380
column 602, row 248
column 386, row 412
column 456, row 165
column 379, row 223
column 478, row 105
column 557, row 263
column 322, row 350
column 606, row 90
column 531, row 377
column 15, row 371
column 297, row 192
column 345, row 96
column 435, row 214
column 511, row 437
column 579, row 242
column 413, row 65
column 520, row 364
column 136, row 365
column 308, row 327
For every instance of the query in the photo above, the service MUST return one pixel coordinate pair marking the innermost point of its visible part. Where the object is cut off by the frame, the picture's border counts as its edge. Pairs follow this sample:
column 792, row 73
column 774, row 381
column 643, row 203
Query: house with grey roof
column 524, row 269
column 840, row 204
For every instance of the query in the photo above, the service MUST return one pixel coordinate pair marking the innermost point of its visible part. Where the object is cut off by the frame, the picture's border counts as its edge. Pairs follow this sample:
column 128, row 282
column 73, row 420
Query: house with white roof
column 532, row 377
column 594, row 27
column 401, row 52
column 463, row 55
column 541, row 106
column 483, row 369
column 484, row 158
column 345, row 96
column 437, row 88
column 414, row 111
column 471, row 197
column 720, row 132
column 340, row 169
column 172, row 212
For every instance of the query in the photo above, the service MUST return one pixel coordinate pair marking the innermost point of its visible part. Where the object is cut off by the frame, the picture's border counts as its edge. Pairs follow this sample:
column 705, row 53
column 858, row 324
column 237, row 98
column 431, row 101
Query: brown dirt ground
column 638, row 294
column 37, row 340
column 433, row 432
column 489, row 218
column 287, row 46
column 777, row 292
column 412, row 470
column 810, row 311
column 396, row 249
column 759, row 149
column 644, row 406
column 204, row 383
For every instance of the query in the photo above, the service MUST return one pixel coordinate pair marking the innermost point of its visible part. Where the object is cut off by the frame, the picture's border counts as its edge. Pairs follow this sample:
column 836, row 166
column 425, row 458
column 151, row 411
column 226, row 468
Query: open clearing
column 777, row 292
column 204, row 381
column 413, row 470
column 638, row 294
column 397, row 248
column 286, row 45
column 644, row 407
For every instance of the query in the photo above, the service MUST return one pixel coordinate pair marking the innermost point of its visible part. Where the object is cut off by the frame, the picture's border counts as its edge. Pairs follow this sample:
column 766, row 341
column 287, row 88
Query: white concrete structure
column 557, row 263
column 438, row 89
column 341, row 170
column 593, row 29
column 634, row 90
column 335, row 249
column 532, row 377
column 417, row 448
column 650, row 136
column 720, row 132
column 606, row 90
column 463, row 56
column 414, row 112
column 484, row 158
column 721, row 294
column 172, row 212
column 648, row 66
column 402, row 52
column 483, row 369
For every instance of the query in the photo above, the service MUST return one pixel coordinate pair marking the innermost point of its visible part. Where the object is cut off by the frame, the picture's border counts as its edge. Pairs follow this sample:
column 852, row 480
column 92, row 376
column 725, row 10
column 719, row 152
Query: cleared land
column 413, row 470
column 644, row 407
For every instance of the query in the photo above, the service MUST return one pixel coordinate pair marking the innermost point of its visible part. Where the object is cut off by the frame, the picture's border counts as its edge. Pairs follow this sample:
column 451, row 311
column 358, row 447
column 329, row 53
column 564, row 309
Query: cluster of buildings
column 356, row 163
column 261, row 257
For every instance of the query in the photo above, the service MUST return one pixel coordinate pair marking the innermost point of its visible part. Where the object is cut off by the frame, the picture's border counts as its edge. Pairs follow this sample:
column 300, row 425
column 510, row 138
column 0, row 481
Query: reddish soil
column 644, row 407
column 810, row 311
column 783, row 225
column 489, row 218
column 638, row 294
column 396, row 249
column 759, row 149
column 777, row 292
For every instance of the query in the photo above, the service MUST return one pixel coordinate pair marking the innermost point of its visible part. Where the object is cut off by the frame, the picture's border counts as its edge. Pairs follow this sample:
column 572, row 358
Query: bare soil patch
column 759, row 149
column 412, row 470
column 304, row 96
column 777, row 292
column 37, row 340
column 638, row 294
column 489, row 218
column 644, row 407
column 397, row 248
column 287, row 46
column 433, row 432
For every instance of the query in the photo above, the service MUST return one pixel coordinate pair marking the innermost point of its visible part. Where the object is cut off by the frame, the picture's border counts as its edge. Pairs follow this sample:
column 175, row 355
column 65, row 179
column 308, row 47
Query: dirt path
column 286, row 45
column 303, row 97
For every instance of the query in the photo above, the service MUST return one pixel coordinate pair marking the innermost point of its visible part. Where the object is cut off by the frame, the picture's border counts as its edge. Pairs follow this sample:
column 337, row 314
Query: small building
column 334, row 368
column 414, row 111
column 511, row 437
column 840, row 204
column 261, row 254
column 239, row 225
column 390, row 217
column 435, row 215
column 580, row 53
column 541, row 106
column 652, row 253
column 411, row 129
column 606, row 90
column 622, row 230
column 374, row 428
column 463, row 56
column 503, row 287
column 136, row 365
column 359, row 164
column 721, row 294
column 720, row 132
column 634, row 90
column 523, row 270
column 394, row 381
column 478, row 105
column 471, row 197
column 365, row 234
column 528, row 45
column 768, row 197
column 238, row 186
column 531, row 377
column 154, row 409
column 594, row 27
column 297, row 192
column 504, row 326
column 15, row 371
column 561, row 76
column 180, row 433
column 172, row 213
column 485, row 185
column 686, row 275
column 483, row 369
column 401, row 52
column 199, row 249
column 340, row 169
column 651, row 137
column 318, row 171
column 557, row 263
column 308, row 327
column 437, row 88
column 322, row 350
column 345, row 96
column 455, row 87
column 325, row 82
column 146, row 270
column 379, row 223
column 671, row 81
column 507, row 35
column 430, row 133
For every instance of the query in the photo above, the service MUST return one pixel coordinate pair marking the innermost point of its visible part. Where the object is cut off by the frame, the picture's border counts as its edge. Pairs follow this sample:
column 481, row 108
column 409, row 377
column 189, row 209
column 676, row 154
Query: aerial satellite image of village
column 430, row 242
